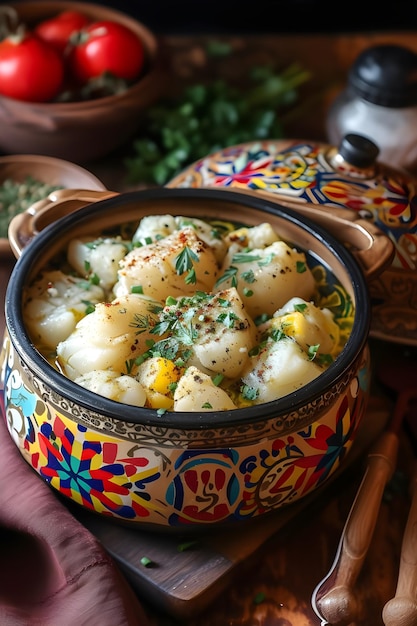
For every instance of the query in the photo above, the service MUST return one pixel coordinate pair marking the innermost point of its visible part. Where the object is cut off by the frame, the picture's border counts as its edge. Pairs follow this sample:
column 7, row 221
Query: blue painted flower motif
column 78, row 470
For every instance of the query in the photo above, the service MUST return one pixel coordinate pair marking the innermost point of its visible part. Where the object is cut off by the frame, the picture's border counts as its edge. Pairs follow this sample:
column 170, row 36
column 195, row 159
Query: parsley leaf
column 184, row 261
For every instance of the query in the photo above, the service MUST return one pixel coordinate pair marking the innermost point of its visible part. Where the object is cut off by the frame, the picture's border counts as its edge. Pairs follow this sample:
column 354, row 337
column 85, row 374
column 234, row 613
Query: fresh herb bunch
column 209, row 117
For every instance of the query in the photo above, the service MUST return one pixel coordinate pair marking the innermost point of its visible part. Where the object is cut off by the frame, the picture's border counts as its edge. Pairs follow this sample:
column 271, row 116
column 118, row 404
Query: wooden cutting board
column 181, row 580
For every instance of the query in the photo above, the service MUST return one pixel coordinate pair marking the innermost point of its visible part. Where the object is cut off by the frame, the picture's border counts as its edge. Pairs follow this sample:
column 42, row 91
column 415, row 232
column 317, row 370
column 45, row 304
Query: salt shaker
column 380, row 103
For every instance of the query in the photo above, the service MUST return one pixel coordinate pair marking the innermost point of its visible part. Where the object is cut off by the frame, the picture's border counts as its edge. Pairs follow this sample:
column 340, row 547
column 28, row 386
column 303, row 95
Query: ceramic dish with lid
column 346, row 180
column 184, row 470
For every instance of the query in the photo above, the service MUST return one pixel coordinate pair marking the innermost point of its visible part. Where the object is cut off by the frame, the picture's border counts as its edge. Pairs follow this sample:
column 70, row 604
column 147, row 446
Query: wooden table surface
column 289, row 566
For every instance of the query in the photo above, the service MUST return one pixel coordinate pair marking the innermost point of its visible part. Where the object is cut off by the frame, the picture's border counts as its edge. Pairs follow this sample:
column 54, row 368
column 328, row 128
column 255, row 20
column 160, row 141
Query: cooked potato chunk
column 280, row 368
column 190, row 315
column 259, row 236
column 154, row 227
column 179, row 264
column 206, row 233
column 213, row 330
column 110, row 338
column 266, row 277
column 98, row 259
column 55, row 303
column 113, row 386
column 308, row 325
column 197, row 392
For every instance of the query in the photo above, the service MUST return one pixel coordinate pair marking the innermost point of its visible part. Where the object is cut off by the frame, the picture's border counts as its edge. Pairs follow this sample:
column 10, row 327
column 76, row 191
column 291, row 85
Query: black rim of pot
column 185, row 420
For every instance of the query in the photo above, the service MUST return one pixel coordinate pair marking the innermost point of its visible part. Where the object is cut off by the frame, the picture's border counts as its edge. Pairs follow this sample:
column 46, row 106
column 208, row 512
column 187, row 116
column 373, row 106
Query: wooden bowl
column 49, row 170
column 85, row 130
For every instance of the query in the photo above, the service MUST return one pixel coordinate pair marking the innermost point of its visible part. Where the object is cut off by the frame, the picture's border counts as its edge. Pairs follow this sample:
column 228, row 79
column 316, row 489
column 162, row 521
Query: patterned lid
column 316, row 173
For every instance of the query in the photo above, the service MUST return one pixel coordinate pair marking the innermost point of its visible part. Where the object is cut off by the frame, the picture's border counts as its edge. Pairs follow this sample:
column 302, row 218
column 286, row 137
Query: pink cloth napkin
column 53, row 571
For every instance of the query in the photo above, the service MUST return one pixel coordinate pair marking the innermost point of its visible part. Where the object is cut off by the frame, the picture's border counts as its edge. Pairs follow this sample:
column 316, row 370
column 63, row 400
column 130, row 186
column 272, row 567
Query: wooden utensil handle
column 361, row 522
column 402, row 609
column 338, row 605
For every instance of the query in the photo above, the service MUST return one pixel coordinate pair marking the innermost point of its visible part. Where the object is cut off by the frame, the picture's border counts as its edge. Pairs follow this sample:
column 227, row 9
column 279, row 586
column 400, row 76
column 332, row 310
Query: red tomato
column 106, row 47
column 30, row 70
column 57, row 30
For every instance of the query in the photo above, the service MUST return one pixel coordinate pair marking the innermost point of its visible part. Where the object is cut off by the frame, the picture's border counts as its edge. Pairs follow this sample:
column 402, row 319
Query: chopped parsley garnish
column 324, row 359
column 277, row 334
column 266, row 260
column 89, row 306
column 186, row 333
column 242, row 257
column 141, row 323
column 312, row 351
column 184, row 263
column 230, row 274
column 249, row 276
column 217, row 379
column 300, row 308
column 167, row 348
column 261, row 319
column 191, row 277
column 249, row 393
column 94, row 279
column 228, row 319
column 129, row 365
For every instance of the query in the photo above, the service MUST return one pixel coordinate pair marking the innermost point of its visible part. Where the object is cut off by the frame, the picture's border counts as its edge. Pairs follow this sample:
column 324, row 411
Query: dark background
column 273, row 16
column 268, row 16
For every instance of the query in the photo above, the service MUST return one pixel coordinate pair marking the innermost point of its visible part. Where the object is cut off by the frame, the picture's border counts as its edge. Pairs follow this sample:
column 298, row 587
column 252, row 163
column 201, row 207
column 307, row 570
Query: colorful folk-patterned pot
column 349, row 178
column 185, row 470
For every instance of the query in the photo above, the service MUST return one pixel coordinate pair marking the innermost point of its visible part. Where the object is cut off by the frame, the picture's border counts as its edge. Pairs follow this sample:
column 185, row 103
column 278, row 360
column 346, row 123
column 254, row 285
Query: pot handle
column 369, row 245
column 373, row 250
column 24, row 226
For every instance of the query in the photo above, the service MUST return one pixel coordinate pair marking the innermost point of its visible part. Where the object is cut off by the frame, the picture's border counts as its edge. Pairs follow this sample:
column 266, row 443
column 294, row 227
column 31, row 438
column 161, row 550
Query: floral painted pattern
column 178, row 487
column 92, row 474
column 302, row 173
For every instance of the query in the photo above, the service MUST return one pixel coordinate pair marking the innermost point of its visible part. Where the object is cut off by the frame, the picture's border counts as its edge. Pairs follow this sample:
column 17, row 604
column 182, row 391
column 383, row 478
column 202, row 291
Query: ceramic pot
column 346, row 180
column 192, row 470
